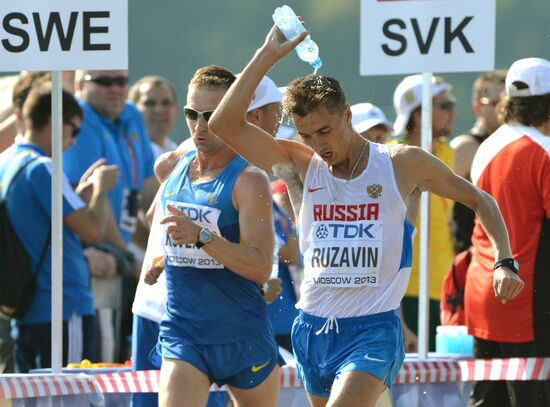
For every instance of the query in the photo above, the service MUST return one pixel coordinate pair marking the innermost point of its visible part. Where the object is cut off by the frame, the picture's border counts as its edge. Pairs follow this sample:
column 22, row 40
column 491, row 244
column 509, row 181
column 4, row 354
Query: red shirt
column 513, row 166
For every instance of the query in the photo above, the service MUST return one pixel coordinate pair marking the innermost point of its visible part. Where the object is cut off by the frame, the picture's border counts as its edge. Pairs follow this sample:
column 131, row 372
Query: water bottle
column 291, row 26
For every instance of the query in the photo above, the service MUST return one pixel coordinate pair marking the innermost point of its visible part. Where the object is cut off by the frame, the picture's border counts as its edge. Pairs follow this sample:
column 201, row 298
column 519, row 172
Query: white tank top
column 355, row 240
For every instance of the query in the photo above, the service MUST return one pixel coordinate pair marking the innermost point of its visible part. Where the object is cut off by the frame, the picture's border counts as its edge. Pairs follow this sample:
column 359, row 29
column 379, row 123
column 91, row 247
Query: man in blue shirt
column 29, row 211
column 113, row 129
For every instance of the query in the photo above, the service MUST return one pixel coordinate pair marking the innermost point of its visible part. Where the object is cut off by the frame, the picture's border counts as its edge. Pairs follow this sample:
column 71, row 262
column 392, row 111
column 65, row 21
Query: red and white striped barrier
column 22, row 386
column 412, row 371
column 428, row 371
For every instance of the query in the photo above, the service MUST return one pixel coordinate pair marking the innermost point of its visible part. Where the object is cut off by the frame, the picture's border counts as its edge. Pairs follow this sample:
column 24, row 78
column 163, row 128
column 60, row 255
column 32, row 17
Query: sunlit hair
column 25, row 82
column 530, row 111
column 37, row 109
column 311, row 92
column 212, row 77
column 480, row 89
column 136, row 90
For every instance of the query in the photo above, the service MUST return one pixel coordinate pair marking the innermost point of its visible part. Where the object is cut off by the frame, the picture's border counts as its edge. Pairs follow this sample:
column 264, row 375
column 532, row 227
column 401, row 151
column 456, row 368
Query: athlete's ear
column 347, row 113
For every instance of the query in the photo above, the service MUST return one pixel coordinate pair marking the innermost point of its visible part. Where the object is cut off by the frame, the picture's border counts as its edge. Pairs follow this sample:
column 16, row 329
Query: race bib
column 189, row 255
column 344, row 253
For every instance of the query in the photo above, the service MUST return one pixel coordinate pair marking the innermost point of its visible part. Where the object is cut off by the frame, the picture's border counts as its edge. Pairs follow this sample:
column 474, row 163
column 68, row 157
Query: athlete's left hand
column 272, row 289
column 179, row 227
column 506, row 284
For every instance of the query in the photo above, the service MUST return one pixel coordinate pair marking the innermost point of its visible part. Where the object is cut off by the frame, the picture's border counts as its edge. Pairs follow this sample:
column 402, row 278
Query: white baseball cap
column 528, row 77
column 285, row 132
column 266, row 93
column 408, row 96
column 366, row 115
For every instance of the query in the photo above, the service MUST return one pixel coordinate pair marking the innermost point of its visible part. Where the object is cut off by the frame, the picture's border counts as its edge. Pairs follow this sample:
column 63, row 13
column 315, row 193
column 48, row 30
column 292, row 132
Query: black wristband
column 508, row 262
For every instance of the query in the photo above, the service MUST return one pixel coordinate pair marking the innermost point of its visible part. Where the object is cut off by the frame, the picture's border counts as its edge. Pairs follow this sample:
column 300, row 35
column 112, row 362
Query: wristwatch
column 203, row 238
column 511, row 263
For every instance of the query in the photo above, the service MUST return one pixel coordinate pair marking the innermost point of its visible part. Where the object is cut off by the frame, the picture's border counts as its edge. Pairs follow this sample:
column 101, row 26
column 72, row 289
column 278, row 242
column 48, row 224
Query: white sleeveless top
column 355, row 240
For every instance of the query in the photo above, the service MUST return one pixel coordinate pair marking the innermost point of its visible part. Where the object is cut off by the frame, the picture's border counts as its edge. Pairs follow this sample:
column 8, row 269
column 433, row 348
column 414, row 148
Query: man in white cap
column 513, row 165
column 370, row 121
column 407, row 101
column 265, row 108
column 265, row 112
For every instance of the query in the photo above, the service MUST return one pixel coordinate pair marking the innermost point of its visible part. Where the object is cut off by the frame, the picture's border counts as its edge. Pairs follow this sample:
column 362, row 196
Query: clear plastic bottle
column 291, row 26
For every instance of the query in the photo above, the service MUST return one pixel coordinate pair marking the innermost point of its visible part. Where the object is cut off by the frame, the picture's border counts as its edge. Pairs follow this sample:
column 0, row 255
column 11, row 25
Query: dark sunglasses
column 193, row 114
column 446, row 105
column 75, row 128
column 107, row 81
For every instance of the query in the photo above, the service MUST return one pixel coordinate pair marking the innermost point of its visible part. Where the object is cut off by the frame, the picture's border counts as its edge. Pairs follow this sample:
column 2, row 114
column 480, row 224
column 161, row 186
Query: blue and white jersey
column 29, row 210
column 208, row 303
column 355, row 240
column 125, row 144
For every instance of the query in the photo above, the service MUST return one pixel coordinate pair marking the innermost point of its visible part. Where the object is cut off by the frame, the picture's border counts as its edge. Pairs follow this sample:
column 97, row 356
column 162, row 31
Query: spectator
column 7, row 119
column 156, row 99
column 12, row 98
column 513, row 165
column 29, row 210
column 487, row 91
column 407, row 100
column 370, row 121
column 19, row 91
column 265, row 112
column 113, row 129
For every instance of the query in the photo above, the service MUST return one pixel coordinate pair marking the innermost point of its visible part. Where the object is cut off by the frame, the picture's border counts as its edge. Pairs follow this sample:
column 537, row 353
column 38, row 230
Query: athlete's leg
column 354, row 388
column 263, row 395
column 182, row 384
column 317, row 401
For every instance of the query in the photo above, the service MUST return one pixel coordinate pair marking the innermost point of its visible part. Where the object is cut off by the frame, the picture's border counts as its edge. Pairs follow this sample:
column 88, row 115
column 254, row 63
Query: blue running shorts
column 324, row 348
column 244, row 364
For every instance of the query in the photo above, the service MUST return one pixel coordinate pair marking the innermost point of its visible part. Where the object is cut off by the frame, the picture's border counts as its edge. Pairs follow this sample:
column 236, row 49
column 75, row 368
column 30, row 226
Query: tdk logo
column 197, row 214
column 341, row 231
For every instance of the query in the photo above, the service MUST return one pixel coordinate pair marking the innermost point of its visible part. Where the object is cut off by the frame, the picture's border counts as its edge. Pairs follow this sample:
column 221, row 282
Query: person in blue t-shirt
column 85, row 214
column 113, row 129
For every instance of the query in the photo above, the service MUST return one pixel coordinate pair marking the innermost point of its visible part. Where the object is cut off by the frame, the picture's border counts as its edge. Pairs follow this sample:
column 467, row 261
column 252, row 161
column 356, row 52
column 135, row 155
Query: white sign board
column 56, row 35
column 412, row 36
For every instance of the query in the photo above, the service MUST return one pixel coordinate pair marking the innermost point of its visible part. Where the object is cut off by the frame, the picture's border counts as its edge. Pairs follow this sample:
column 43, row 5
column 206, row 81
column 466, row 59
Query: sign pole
column 57, row 223
column 424, row 261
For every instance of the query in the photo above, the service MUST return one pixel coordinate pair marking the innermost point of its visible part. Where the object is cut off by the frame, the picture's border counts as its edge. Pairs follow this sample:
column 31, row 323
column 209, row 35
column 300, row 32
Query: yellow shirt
column 441, row 252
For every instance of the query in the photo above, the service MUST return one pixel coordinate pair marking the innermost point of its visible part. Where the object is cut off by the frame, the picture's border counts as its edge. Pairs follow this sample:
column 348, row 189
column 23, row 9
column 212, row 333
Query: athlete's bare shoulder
column 251, row 184
column 406, row 161
column 166, row 162
column 400, row 152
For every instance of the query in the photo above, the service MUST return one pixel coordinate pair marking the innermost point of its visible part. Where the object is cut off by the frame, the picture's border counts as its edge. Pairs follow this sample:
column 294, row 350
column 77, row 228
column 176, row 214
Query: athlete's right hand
column 179, row 227
column 277, row 45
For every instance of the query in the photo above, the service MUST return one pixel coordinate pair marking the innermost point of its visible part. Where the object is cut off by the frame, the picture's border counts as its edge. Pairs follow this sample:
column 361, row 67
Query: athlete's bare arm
column 416, row 169
column 229, row 123
column 253, row 257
